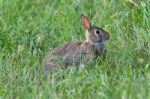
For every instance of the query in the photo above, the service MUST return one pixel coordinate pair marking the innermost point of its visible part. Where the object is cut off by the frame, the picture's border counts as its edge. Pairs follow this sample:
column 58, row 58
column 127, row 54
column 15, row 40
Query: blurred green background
column 30, row 28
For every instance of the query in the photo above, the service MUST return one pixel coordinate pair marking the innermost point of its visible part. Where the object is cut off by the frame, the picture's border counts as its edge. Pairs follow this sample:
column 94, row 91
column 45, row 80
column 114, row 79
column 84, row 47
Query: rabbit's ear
column 85, row 22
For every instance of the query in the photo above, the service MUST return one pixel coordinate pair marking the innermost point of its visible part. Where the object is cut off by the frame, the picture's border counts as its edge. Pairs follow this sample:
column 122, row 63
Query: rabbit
column 75, row 53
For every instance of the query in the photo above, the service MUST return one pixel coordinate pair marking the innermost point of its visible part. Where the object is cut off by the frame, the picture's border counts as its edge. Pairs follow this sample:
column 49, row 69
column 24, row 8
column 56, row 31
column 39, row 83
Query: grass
column 30, row 28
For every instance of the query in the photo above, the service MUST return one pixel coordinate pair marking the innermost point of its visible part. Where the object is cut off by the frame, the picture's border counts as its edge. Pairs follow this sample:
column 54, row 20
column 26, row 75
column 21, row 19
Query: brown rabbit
column 74, row 53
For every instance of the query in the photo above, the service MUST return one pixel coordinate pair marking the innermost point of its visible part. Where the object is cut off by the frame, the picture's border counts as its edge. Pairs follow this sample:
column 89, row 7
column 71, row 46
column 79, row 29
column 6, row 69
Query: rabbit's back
column 72, row 53
column 62, row 49
column 64, row 52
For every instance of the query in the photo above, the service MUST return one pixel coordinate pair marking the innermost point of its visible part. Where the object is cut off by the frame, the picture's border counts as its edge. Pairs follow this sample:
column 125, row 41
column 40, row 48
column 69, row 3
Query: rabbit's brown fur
column 74, row 53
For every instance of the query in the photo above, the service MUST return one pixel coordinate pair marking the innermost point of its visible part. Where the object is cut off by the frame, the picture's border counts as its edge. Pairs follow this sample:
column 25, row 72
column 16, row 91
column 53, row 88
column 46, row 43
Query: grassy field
column 30, row 28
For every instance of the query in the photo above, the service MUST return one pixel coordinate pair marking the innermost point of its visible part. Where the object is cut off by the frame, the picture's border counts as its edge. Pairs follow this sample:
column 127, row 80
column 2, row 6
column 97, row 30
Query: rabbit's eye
column 97, row 32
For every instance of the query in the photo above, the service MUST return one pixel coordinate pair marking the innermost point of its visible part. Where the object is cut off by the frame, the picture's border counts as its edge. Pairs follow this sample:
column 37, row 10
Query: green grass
column 30, row 28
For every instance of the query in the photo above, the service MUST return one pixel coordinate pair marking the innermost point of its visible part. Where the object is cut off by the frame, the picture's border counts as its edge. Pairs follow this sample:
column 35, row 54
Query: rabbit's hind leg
column 49, row 67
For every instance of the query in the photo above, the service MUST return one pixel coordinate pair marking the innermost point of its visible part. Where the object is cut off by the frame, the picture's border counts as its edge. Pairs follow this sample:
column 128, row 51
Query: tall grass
column 30, row 28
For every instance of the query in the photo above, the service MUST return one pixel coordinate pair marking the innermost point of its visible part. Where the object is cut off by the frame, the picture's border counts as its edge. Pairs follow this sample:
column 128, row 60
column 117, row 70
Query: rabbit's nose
column 106, row 36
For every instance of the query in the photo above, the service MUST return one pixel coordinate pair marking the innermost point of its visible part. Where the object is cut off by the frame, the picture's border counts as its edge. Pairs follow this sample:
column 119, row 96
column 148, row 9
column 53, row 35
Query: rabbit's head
column 93, row 34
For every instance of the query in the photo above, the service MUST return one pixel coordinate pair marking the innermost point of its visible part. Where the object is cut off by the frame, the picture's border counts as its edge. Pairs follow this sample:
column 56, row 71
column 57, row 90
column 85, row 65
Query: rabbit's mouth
column 98, row 43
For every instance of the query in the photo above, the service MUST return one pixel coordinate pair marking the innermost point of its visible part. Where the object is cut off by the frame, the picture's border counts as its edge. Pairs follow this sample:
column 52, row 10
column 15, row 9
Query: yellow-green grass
column 30, row 28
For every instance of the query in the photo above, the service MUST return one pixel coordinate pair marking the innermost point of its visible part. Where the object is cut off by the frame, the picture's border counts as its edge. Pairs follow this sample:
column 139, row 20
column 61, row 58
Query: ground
column 30, row 28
